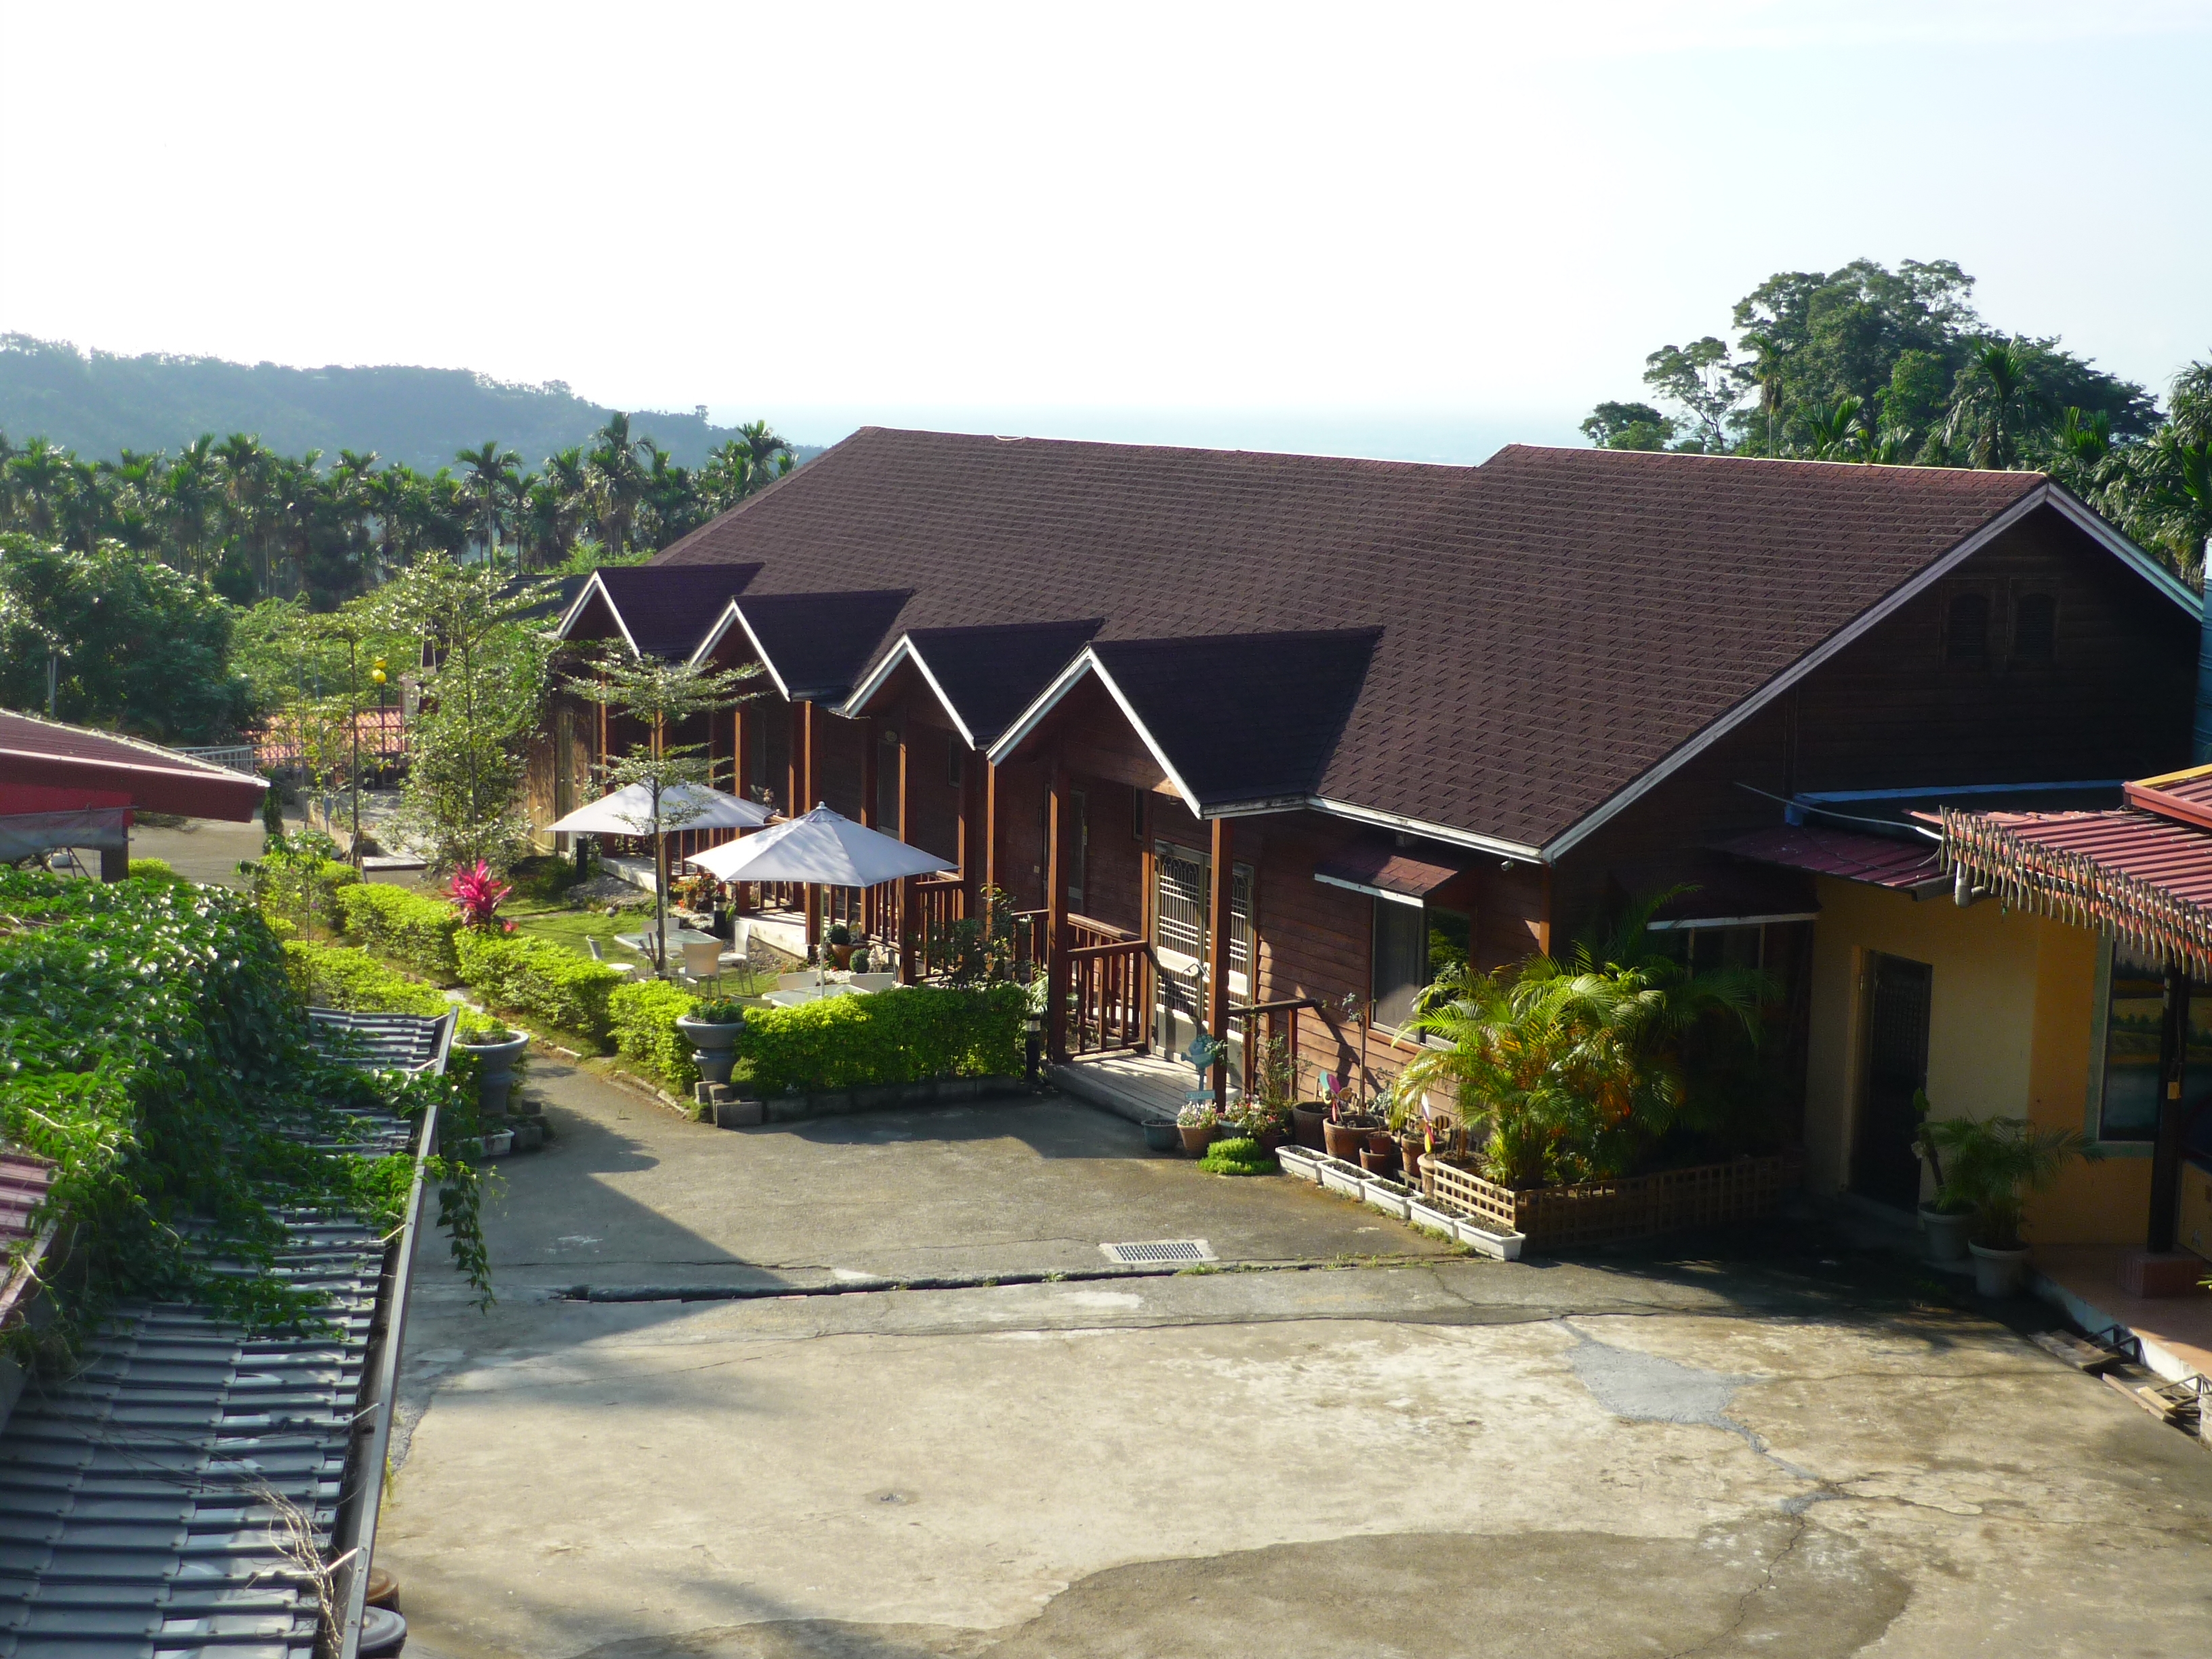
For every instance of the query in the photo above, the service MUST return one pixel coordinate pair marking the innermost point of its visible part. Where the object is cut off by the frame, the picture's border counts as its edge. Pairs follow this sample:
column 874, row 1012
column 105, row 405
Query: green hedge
column 333, row 977
column 910, row 1035
column 410, row 928
column 644, row 1018
column 539, row 980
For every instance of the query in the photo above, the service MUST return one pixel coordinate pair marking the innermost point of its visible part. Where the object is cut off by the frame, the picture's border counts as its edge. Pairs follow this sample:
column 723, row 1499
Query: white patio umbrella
column 628, row 812
column 825, row 849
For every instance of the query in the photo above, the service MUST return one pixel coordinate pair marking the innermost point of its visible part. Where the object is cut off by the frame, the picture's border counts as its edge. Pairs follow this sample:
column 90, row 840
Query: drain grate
column 1159, row 1250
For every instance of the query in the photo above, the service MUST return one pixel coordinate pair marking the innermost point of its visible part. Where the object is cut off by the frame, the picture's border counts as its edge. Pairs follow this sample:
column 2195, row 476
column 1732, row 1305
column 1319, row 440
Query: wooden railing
column 1282, row 1019
column 1112, row 994
column 938, row 902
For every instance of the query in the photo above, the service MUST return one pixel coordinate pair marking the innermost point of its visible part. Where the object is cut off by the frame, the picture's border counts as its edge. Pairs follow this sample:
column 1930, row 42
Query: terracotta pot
column 1196, row 1140
column 1378, row 1160
column 1409, row 1154
column 1271, row 1139
column 1306, row 1124
column 1339, row 1141
column 841, row 955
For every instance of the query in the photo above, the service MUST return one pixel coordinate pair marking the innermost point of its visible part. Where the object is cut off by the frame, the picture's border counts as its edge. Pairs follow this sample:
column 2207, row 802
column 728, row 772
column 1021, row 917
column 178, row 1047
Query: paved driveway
column 1432, row 1455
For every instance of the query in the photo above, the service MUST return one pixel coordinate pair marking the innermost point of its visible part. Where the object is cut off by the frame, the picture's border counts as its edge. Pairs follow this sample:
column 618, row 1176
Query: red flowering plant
column 479, row 893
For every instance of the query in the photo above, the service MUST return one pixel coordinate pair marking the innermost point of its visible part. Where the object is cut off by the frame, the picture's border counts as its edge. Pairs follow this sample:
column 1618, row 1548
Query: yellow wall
column 2011, row 1014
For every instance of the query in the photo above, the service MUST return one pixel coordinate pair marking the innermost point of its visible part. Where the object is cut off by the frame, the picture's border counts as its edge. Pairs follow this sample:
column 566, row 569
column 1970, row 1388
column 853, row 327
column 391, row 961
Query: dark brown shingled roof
column 818, row 645
column 1243, row 718
column 990, row 675
column 1556, row 622
column 666, row 612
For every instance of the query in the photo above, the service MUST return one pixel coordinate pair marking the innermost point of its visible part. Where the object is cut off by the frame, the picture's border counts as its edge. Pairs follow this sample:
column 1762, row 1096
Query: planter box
column 1341, row 1178
column 1299, row 1161
column 1500, row 1247
column 1599, row 1211
column 1424, row 1214
column 1388, row 1196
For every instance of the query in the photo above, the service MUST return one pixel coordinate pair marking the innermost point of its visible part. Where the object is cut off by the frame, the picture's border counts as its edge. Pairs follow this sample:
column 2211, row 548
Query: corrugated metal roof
column 406, row 1043
column 51, row 755
column 140, row 1511
column 1880, row 860
column 2174, row 857
column 23, row 1183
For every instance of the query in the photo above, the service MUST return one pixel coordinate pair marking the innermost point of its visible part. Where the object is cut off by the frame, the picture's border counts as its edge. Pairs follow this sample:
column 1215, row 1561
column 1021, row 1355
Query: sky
column 1401, row 230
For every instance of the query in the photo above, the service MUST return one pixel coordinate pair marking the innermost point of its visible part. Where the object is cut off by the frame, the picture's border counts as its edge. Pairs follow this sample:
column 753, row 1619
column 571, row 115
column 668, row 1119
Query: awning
column 2144, row 878
column 46, row 755
column 1383, row 869
column 1879, row 861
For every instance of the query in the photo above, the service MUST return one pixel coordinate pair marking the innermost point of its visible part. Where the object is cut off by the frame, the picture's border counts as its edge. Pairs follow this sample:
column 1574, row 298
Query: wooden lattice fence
column 1635, row 1206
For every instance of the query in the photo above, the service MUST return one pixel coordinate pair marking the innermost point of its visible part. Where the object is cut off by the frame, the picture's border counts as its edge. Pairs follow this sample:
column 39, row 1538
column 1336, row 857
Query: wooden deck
column 1140, row 1087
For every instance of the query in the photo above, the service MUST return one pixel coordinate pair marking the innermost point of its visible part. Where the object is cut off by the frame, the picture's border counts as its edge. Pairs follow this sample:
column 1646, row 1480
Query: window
column 1702, row 949
column 2135, row 1009
column 1413, row 944
column 887, row 785
column 1079, row 844
column 2035, row 629
column 1966, row 633
column 952, row 758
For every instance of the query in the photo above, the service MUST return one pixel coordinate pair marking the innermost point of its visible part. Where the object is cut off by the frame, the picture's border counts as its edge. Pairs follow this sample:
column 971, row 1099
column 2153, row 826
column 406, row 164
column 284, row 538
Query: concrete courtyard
column 1344, row 1440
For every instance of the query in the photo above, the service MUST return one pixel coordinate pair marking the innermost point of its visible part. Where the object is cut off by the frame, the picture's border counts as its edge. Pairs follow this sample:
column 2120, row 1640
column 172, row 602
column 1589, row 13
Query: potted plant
column 1198, row 1122
column 496, row 1050
column 712, row 1029
column 1946, row 1218
column 1994, row 1164
column 860, row 959
column 840, row 945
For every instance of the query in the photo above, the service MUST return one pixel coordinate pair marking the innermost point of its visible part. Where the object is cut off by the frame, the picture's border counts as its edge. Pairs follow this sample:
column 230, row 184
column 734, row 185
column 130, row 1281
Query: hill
column 100, row 404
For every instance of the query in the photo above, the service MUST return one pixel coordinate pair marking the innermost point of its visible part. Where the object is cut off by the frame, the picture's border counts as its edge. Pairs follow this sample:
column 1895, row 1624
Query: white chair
column 627, row 970
column 702, row 962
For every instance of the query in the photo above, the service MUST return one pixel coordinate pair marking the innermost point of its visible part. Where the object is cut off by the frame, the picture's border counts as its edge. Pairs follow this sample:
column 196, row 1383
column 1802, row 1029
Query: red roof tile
column 1877, row 860
column 1556, row 622
column 48, row 754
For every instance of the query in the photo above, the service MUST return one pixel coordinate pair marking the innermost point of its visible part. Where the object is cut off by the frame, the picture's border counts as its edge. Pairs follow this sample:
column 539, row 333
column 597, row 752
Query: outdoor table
column 677, row 939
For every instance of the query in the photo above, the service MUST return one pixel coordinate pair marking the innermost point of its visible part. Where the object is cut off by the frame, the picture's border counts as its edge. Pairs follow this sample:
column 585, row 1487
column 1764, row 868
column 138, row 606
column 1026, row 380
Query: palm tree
column 618, row 482
column 37, row 479
column 1993, row 403
column 569, row 477
column 490, row 472
column 1832, row 430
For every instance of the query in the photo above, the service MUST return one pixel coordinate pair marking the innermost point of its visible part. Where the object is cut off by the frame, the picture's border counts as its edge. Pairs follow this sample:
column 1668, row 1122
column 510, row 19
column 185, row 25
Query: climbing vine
column 154, row 1048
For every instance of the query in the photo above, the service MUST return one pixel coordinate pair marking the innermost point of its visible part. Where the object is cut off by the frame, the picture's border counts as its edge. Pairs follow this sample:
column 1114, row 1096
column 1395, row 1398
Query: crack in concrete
column 1797, row 1531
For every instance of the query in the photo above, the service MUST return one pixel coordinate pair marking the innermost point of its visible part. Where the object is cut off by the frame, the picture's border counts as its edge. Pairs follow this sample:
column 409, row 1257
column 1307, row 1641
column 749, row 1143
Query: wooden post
column 909, row 922
column 1220, row 886
column 802, row 801
column 1056, row 905
column 990, row 825
column 871, row 902
column 2173, row 1124
column 1148, row 916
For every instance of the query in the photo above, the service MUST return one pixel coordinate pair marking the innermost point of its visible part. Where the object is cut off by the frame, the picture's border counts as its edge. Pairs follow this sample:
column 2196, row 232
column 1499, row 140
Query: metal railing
column 236, row 757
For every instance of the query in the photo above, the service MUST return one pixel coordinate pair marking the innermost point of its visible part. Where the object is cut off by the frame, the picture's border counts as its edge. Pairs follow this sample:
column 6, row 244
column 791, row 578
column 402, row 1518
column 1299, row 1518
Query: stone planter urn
column 1945, row 1233
column 712, row 1048
column 1998, row 1272
column 497, row 1078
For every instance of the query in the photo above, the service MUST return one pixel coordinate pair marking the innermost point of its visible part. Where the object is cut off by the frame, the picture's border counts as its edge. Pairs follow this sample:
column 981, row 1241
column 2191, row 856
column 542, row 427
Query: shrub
column 523, row 976
column 910, row 1035
column 333, row 977
column 154, row 870
column 410, row 928
column 1237, row 1157
column 643, row 1018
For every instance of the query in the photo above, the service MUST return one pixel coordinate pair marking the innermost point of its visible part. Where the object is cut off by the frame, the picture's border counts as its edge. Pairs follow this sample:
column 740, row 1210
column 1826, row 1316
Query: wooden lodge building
column 1326, row 721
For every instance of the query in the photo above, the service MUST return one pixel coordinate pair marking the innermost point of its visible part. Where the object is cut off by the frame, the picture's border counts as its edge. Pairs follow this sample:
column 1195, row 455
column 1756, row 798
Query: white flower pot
column 1998, row 1272
column 1341, row 1178
column 1387, row 1196
column 1945, row 1234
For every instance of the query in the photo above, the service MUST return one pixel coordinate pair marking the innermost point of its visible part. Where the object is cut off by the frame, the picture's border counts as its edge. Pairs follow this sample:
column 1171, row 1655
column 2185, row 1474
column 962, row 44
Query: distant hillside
column 101, row 403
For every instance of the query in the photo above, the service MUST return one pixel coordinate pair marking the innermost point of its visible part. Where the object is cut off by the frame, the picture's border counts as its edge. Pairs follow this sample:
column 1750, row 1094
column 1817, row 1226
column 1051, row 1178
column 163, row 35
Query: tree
column 1628, row 426
column 660, row 694
column 1995, row 400
column 617, row 483
column 1706, row 380
column 140, row 646
column 490, row 481
column 480, row 703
